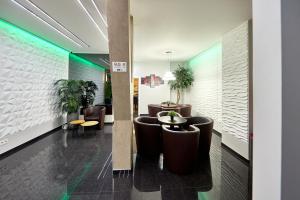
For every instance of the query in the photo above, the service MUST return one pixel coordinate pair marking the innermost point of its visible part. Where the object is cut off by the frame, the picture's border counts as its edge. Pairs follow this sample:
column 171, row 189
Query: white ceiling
column 186, row 27
column 70, row 14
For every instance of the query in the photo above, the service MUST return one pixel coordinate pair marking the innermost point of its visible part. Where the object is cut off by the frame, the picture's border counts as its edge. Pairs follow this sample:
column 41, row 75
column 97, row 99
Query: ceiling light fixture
column 92, row 19
column 169, row 76
column 39, row 18
column 104, row 21
column 58, row 23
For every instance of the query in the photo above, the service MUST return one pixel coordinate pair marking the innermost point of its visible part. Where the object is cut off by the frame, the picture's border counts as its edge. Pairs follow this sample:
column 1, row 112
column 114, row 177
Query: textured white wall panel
column 28, row 69
column 206, row 93
column 235, row 96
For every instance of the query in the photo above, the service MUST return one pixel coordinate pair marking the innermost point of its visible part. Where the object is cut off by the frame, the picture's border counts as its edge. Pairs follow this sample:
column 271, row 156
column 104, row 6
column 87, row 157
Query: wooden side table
column 89, row 125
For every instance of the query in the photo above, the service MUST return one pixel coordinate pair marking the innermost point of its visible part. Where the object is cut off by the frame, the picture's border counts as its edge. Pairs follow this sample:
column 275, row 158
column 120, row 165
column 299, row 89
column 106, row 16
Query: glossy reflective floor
column 65, row 166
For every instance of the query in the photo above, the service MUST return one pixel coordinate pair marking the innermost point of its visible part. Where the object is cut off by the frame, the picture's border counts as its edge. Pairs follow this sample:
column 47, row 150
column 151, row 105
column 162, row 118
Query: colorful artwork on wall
column 152, row 80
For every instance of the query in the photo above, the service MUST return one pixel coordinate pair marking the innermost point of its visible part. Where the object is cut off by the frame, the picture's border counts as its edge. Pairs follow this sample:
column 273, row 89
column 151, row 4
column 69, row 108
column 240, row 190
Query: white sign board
column 119, row 66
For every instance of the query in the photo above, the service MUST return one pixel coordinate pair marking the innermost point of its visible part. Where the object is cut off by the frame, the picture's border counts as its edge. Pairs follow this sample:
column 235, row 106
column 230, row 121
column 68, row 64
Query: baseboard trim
column 217, row 133
column 235, row 154
column 24, row 145
column 122, row 172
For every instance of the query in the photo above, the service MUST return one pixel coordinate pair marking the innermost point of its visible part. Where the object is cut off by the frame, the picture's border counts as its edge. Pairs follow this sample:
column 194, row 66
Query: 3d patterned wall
column 81, row 71
column 28, row 68
column 206, row 93
column 236, row 88
column 221, row 88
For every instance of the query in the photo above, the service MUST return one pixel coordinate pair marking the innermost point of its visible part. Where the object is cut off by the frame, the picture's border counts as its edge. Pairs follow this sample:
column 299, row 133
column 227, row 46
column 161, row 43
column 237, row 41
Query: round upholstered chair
column 205, row 124
column 185, row 110
column 153, row 109
column 95, row 113
column 180, row 149
column 148, row 136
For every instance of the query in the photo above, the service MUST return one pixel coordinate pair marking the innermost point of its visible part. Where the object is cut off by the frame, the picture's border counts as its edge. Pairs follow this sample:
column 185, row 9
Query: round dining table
column 178, row 121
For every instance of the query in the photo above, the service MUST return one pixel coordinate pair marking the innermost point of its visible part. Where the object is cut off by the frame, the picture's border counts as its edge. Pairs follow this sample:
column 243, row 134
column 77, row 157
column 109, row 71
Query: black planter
column 172, row 118
column 107, row 100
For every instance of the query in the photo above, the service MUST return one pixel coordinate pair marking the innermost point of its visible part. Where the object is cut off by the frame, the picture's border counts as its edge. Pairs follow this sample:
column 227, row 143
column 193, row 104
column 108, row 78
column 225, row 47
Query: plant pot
column 72, row 116
column 107, row 100
column 172, row 118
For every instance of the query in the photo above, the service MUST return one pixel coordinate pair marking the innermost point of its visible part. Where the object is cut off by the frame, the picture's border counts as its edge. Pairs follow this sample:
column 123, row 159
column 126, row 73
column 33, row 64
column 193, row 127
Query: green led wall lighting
column 27, row 37
column 206, row 55
column 31, row 38
column 86, row 62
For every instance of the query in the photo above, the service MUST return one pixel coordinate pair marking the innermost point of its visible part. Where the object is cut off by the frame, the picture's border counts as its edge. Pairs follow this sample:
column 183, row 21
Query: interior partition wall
column 28, row 68
column 222, row 87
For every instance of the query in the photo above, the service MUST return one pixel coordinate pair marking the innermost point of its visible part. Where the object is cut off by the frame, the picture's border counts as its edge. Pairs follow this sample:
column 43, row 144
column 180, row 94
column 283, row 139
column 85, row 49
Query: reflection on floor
column 63, row 166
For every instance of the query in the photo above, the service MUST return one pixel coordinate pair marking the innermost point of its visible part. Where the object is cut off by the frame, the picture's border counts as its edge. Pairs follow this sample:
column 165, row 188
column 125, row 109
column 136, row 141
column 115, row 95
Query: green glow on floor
column 30, row 38
column 86, row 62
column 202, row 196
column 72, row 187
column 208, row 54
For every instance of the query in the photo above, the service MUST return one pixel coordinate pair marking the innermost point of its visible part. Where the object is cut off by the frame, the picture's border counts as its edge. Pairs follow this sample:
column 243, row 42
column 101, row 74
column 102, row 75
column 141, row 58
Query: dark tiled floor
column 61, row 166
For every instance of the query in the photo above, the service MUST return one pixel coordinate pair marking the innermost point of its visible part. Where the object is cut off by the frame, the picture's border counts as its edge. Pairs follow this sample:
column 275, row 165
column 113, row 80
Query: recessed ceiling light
column 58, row 23
column 91, row 18
column 104, row 21
column 39, row 18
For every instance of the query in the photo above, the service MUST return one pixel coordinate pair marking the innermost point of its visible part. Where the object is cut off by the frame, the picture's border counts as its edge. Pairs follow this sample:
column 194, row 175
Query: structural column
column 119, row 51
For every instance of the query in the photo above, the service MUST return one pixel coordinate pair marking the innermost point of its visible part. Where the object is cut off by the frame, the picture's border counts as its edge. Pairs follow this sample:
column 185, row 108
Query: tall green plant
column 69, row 93
column 107, row 90
column 184, row 79
column 89, row 92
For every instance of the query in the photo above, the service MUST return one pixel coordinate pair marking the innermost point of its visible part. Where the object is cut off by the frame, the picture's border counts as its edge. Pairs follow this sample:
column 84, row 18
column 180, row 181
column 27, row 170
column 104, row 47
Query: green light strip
column 208, row 54
column 29, row 37
column 86, row 62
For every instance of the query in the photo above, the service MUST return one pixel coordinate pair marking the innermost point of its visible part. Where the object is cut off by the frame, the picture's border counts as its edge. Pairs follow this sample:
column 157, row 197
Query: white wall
column 149, row 95
column 236, row 89
column 267, row 99
column 205, row 95
column 221, row 89
column 29, row 67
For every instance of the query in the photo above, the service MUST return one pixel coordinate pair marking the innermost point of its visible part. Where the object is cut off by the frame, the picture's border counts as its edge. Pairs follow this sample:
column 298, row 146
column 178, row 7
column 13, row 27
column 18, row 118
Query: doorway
column 135, row 97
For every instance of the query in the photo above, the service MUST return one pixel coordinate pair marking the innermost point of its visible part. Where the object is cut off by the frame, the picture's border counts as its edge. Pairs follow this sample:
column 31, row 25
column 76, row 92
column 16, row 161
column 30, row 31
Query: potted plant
column 89, row 91
column 184, row 79
column 107, row 92
column 69, row 94
column 172, row 114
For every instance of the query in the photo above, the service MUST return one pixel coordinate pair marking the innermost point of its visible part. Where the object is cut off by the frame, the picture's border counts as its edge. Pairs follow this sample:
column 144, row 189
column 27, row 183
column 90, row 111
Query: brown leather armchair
column 180, row 149
column 153, row 109
column 148, row 136
column 165, row 113
column 185, row 110
column 205, row 124
column 95, row 113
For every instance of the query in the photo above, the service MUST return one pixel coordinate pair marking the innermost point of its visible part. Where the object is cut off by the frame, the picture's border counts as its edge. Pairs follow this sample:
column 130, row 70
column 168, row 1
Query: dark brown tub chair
column 205, row 124
column 95, row 113
column 153, row 109
column 180, row 149
column 148, row 136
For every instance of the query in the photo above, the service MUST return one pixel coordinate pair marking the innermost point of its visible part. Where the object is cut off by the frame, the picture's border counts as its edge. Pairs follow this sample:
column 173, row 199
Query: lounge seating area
column 149, row 100
column 181, row 146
